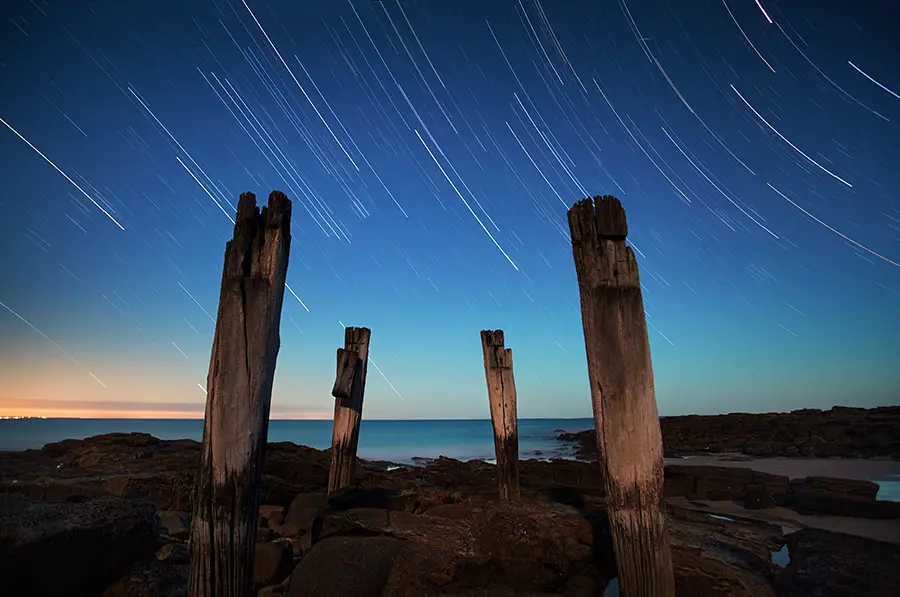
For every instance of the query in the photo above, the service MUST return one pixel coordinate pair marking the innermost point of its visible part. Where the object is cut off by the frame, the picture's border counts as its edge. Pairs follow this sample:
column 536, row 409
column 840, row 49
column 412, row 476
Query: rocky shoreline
column 840, row 432
column 109, row 516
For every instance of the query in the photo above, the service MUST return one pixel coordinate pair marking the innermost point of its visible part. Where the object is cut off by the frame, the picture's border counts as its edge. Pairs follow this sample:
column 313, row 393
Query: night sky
column 431, row 149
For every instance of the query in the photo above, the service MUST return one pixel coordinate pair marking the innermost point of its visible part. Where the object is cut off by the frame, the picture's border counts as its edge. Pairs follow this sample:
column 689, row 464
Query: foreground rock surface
column 827, row 564
column 838, row 432
column 71, row 548
column 839, row 497
column 151, row 578
column 324, row 571
column 495, row 548
column 433, row 530
column 140, row 465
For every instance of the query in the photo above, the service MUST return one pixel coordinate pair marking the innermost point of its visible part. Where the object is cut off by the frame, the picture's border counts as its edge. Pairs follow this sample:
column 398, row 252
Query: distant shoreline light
column 16, row 417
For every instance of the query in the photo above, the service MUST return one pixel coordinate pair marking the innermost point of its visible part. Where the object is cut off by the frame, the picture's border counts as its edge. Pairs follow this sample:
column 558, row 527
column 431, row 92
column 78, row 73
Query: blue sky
column 430, row 150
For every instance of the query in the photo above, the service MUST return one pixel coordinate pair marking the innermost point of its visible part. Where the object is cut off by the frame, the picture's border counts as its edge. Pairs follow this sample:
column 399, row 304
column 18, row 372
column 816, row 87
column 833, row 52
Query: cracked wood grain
column 239, row 392
column 623, row 396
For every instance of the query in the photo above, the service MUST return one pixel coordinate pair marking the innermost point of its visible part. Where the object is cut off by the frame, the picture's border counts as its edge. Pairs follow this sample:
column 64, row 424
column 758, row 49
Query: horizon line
column 279, row 417
column 32, row 417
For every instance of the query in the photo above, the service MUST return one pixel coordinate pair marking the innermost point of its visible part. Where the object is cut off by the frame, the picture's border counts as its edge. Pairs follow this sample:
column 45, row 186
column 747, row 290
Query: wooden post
column 349, row 389
column 239, row 392
column 625, row 413
column 498, row 369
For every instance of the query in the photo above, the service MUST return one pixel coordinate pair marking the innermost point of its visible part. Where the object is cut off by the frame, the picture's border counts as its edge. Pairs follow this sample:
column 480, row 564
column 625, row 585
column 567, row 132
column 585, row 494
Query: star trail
column 431, row 149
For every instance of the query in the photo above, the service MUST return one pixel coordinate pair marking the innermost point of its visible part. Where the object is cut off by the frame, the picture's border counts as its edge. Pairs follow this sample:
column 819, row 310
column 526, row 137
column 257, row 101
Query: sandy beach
column 790, row 521
column 798, row 468
column 862, row 469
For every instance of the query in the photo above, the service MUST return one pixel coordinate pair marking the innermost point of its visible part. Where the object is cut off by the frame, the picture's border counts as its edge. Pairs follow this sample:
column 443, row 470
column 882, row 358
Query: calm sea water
column 397, row 441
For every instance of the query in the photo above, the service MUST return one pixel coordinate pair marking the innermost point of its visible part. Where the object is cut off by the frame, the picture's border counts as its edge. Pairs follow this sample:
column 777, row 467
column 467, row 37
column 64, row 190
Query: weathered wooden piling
column 349, row 390
column 239, row 392
column 501, row 385
column 625, row 412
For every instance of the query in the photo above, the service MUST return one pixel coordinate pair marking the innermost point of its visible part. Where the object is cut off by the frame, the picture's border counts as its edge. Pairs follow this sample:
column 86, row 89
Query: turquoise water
column 612, row 589
column 398, row 441
column 782, row 557
column 889, row 489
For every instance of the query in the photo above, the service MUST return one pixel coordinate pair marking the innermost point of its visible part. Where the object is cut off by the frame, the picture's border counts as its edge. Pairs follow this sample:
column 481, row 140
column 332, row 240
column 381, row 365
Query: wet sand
column 880, row 530
column 797, row 468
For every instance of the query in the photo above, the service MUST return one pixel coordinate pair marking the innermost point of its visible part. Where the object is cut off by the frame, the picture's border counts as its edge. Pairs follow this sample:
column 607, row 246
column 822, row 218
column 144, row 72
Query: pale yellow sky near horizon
column 49, row 408
column 52, row 385
column 135, row 391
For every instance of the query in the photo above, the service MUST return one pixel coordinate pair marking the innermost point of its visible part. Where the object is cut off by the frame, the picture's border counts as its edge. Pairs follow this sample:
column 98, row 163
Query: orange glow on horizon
column 60, row 409
column 72, row 413
column 77, row 413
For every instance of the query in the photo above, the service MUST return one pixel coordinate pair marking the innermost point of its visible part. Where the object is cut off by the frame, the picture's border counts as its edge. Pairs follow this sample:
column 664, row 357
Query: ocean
column 396, row 441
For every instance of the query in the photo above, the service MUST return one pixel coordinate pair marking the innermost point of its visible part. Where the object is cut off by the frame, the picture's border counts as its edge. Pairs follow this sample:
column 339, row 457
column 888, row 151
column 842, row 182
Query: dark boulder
column 301, row 514
column 725, row 483
column 757, row 497
column 526, row 547
column 173, row 553
column 718, row 558
column 272, row 563
column 273, row 515
column 68, row 548
column 825, row 564
column 151, row 578
column 840, row 497
column 848, row 487
column 169, row 490
column 495, row 548
column 344, row 567
column 175, row 524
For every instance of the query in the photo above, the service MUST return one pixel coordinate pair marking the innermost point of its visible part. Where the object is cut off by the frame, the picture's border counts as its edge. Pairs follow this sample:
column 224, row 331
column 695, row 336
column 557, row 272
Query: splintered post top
column 273, row 214
column 355, row 335
column 611, row 223
column 247, row 208
column 277, row 210
column 608, row 220
column 495, row 354
column 492, row 337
